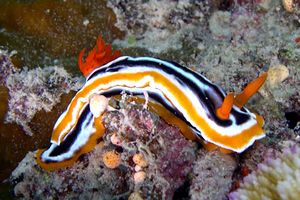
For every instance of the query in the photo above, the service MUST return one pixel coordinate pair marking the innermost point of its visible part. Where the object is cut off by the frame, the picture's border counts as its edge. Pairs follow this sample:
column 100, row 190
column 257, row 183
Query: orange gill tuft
column 100, row 55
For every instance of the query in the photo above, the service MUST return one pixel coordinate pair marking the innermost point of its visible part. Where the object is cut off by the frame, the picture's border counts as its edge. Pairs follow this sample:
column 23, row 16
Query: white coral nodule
column 276, row 179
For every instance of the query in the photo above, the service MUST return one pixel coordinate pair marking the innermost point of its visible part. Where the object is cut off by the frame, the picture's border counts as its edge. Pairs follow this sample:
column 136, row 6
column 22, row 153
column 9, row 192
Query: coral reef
column 160, row 150
column 212, row 175
column 168, row 154
column 233, row 58
column 274, row 179
column 34, row 90
column 27, row 106
column 94, row 179
column 223, row 39
column 168, row 21
column 232, row 41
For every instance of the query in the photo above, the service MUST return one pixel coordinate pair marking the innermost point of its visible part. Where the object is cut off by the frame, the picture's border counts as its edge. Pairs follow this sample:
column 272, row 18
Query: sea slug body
column 212, row 115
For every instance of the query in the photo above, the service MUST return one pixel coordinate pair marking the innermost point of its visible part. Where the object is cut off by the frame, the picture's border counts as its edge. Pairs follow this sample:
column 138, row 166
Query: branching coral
column 276, row 179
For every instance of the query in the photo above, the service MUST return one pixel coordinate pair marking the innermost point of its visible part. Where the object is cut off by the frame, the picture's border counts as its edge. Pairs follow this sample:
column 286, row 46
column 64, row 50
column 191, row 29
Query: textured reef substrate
column 169, row 156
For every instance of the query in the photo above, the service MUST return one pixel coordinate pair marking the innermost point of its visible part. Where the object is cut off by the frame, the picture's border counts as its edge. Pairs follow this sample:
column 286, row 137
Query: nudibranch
column 217, row 118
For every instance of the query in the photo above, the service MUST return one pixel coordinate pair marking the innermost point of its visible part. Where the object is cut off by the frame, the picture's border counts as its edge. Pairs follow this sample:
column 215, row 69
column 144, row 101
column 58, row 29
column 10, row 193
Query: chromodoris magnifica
column 212, row 116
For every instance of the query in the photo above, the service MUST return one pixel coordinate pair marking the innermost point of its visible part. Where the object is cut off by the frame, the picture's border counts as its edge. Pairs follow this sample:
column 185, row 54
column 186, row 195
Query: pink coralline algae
column 168, row 158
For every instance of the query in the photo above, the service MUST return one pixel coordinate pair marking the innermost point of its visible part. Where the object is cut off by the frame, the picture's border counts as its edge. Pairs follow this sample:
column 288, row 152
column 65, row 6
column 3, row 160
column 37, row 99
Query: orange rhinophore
column 242, row 98
column 224, row 111
column 100, row 55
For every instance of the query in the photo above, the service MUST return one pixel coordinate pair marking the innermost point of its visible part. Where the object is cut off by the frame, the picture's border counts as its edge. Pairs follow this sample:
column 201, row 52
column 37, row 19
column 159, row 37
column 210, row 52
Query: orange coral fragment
column 111, row 159
column 140, row 160
column 100, row 55
column 224, row 110
column 241, row 99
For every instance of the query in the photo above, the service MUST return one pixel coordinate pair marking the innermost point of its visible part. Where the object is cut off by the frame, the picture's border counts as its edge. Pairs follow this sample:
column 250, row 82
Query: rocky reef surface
column 230, row 42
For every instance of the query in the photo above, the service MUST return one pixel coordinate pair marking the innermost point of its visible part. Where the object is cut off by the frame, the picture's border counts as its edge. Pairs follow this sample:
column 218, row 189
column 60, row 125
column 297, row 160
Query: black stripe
column 70, row 139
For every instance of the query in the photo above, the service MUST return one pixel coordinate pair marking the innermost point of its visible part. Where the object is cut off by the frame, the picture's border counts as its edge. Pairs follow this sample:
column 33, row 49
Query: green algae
column 131, row 40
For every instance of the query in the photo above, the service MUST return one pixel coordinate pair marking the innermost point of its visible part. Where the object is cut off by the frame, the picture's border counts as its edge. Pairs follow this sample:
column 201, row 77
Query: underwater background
column 230, row 42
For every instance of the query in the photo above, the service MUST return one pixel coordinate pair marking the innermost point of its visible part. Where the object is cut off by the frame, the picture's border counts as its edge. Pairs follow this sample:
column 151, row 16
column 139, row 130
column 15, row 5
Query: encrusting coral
column 275, row 179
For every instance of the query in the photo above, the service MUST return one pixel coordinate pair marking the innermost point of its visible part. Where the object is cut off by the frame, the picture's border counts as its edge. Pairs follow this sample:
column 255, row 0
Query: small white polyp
column 98, row 104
